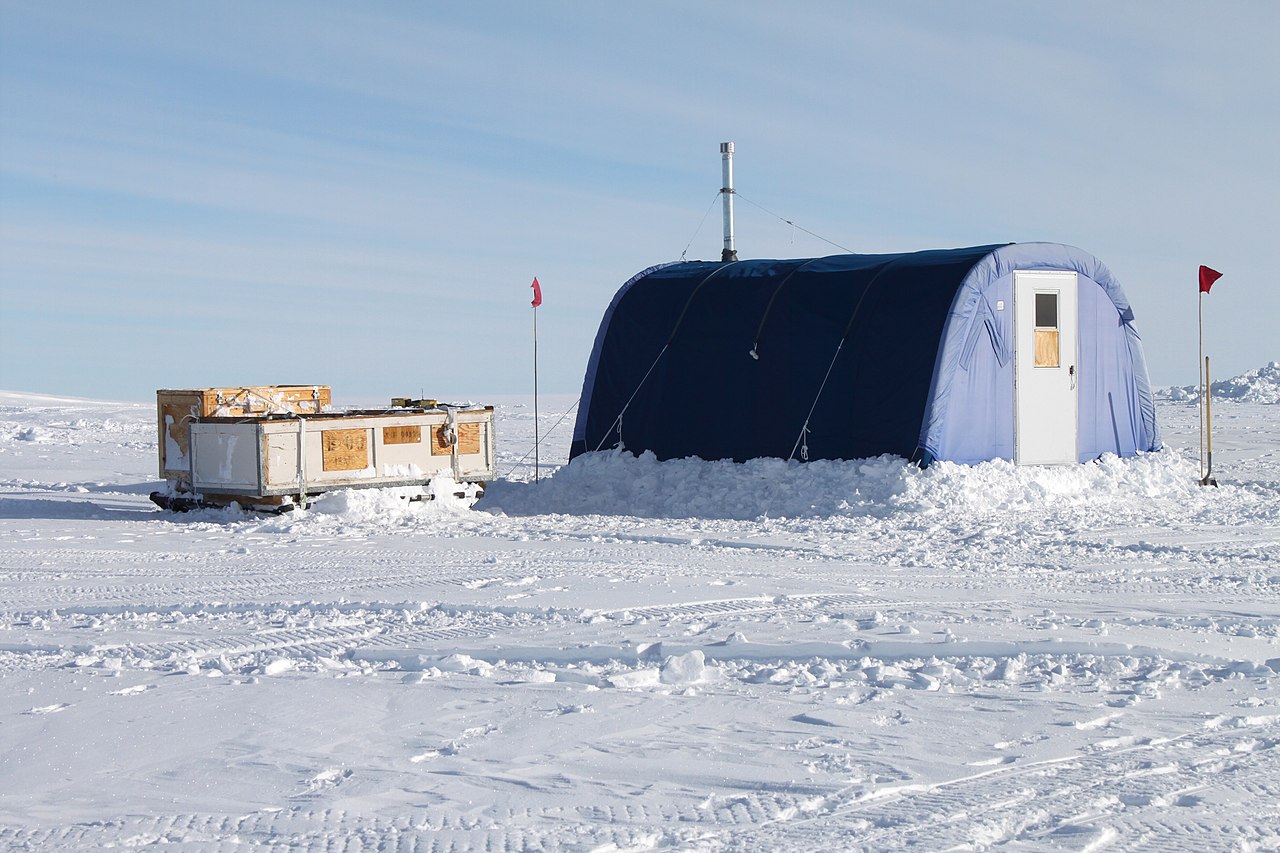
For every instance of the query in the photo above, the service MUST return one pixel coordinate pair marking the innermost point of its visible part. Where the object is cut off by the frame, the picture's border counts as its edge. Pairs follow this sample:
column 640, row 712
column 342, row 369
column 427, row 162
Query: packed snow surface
column 628, row 654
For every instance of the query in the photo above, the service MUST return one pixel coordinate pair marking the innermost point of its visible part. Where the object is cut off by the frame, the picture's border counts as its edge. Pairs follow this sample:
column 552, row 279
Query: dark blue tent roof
column 725, row 360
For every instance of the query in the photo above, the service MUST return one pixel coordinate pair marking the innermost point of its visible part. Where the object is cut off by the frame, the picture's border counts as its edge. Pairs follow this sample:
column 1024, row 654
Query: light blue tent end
column 970, row 410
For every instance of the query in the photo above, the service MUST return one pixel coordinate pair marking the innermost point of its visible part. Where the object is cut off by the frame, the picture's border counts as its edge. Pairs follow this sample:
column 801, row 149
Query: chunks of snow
column 618, row 483
column 279, row 666
column 648, row 677
column 396, row 505
column 688, row 668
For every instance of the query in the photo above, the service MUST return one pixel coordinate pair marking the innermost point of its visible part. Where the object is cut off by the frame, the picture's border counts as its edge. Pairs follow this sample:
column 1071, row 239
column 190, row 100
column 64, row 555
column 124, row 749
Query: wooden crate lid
column 249, row 399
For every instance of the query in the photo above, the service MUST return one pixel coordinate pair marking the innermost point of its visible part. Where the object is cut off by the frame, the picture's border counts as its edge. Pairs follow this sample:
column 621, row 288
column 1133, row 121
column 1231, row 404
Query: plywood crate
column 260, row 457
column 175, row 410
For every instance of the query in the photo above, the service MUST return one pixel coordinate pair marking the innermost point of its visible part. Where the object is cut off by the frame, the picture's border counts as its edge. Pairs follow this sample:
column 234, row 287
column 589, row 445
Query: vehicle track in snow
column 28, row 587
column 269, row 564
column 306, row 642
column 425, row 830
column 1133, row 795
column 225, row 634
column 192, row 633
column 756, row 607
column 1203, row 791
column 84, row 577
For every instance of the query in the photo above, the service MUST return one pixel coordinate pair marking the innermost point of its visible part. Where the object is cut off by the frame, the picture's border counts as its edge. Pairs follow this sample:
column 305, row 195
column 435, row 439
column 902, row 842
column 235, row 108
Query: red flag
column 1207, row 277
column 537, row 292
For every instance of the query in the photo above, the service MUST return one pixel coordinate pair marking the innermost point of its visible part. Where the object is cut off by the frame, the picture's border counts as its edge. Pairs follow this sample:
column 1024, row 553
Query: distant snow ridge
column 1255, row 386
column 619, row 483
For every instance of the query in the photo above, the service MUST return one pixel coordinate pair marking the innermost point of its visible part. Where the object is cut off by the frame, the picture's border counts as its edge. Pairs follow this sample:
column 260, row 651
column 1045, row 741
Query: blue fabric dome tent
column 1023, row 351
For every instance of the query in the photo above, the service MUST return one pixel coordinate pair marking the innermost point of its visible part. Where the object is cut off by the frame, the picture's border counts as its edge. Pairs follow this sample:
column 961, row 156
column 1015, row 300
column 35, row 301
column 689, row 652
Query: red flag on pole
column 1207, row 277
column 537, row 291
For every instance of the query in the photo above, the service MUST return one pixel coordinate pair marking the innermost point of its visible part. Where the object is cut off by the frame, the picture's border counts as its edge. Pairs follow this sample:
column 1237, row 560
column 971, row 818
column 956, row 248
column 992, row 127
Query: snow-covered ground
column 639, row 655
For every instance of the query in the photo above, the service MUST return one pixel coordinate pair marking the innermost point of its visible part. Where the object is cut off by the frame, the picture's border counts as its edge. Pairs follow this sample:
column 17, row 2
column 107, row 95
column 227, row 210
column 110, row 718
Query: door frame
column 1033, row 383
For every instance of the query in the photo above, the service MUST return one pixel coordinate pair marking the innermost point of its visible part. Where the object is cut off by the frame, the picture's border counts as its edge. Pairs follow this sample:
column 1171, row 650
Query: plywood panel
column 469, row 435
column 1047, row 348
column 345, row 449
column 439, row 443
column 469, row 438
column 174, row 411
column 402, row 435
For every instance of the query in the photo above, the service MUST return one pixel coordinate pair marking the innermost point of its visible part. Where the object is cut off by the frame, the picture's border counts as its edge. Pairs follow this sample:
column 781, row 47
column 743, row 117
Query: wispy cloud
column 309, row 171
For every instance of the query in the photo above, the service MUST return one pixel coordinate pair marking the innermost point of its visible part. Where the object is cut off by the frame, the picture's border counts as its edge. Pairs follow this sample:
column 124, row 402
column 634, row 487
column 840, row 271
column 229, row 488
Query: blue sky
column 198, row 194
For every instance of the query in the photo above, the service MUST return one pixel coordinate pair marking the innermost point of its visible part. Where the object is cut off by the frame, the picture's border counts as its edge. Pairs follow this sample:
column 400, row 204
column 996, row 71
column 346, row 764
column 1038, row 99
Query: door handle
column 1071, row 371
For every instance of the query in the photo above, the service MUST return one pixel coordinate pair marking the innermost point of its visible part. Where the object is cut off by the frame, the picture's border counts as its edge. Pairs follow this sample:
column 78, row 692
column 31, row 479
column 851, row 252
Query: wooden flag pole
column 1206, row 411
column 1208, row 275
column 1200, row 364
column 536, row 439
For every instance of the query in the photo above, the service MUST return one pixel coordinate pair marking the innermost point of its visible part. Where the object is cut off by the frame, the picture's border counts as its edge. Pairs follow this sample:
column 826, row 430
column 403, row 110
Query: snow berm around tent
column 1023, row 351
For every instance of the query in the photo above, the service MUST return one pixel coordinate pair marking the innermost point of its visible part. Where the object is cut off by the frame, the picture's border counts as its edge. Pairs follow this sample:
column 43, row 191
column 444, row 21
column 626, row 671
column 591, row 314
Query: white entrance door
column 1045, row 373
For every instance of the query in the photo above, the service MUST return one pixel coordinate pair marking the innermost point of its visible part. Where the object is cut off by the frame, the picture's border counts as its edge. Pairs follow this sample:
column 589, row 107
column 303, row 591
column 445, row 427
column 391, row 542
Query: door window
column 1047, row 329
